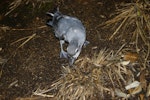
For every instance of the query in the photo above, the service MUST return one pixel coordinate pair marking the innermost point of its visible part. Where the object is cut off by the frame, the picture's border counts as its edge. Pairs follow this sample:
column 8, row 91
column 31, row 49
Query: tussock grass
column 105, row 75
column 35, row 3
column 135, row 15
column 132, row 24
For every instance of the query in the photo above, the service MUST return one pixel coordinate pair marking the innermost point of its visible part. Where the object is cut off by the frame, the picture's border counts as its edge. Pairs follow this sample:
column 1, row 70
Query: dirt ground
column 36, row 63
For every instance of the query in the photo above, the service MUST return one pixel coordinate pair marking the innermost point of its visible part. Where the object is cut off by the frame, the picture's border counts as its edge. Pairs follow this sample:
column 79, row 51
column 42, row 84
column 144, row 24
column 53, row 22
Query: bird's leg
column 63, row 54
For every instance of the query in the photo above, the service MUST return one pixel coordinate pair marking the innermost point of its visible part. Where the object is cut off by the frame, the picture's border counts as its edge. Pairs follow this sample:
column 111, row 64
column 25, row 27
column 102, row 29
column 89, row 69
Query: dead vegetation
column 114, row 74
column 120, row 74
column 132, row 22
column 35, row 4
column 106, row 73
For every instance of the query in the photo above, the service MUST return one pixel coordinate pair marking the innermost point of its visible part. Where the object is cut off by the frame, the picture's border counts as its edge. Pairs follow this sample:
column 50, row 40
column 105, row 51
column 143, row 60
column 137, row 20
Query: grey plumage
column 68, row 29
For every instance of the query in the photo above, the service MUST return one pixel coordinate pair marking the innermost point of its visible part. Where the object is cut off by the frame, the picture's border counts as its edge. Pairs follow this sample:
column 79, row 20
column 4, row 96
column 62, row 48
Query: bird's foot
column 71, row 61
column 63, row 54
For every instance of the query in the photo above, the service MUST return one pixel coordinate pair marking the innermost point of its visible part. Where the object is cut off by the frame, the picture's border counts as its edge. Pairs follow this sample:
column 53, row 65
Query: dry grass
column 135, row 17
column 105, row 75
column 35, row 3
column 108, row 74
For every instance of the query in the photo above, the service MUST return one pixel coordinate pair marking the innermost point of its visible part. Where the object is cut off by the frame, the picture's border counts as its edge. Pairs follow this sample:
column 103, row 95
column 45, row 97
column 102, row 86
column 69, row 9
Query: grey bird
column 71, row 30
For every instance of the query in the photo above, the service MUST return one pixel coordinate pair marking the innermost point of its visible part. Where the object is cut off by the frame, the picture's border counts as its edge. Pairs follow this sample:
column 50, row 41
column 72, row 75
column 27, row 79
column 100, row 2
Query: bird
column 69, row 30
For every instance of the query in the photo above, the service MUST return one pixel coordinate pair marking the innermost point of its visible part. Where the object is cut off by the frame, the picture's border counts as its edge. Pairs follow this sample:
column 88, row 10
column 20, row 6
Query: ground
column 36, row 63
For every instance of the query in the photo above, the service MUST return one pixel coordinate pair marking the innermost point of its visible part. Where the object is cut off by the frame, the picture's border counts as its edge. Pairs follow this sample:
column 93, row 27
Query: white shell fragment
column 132, row 85
column 124, row 63
column 119, row 93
